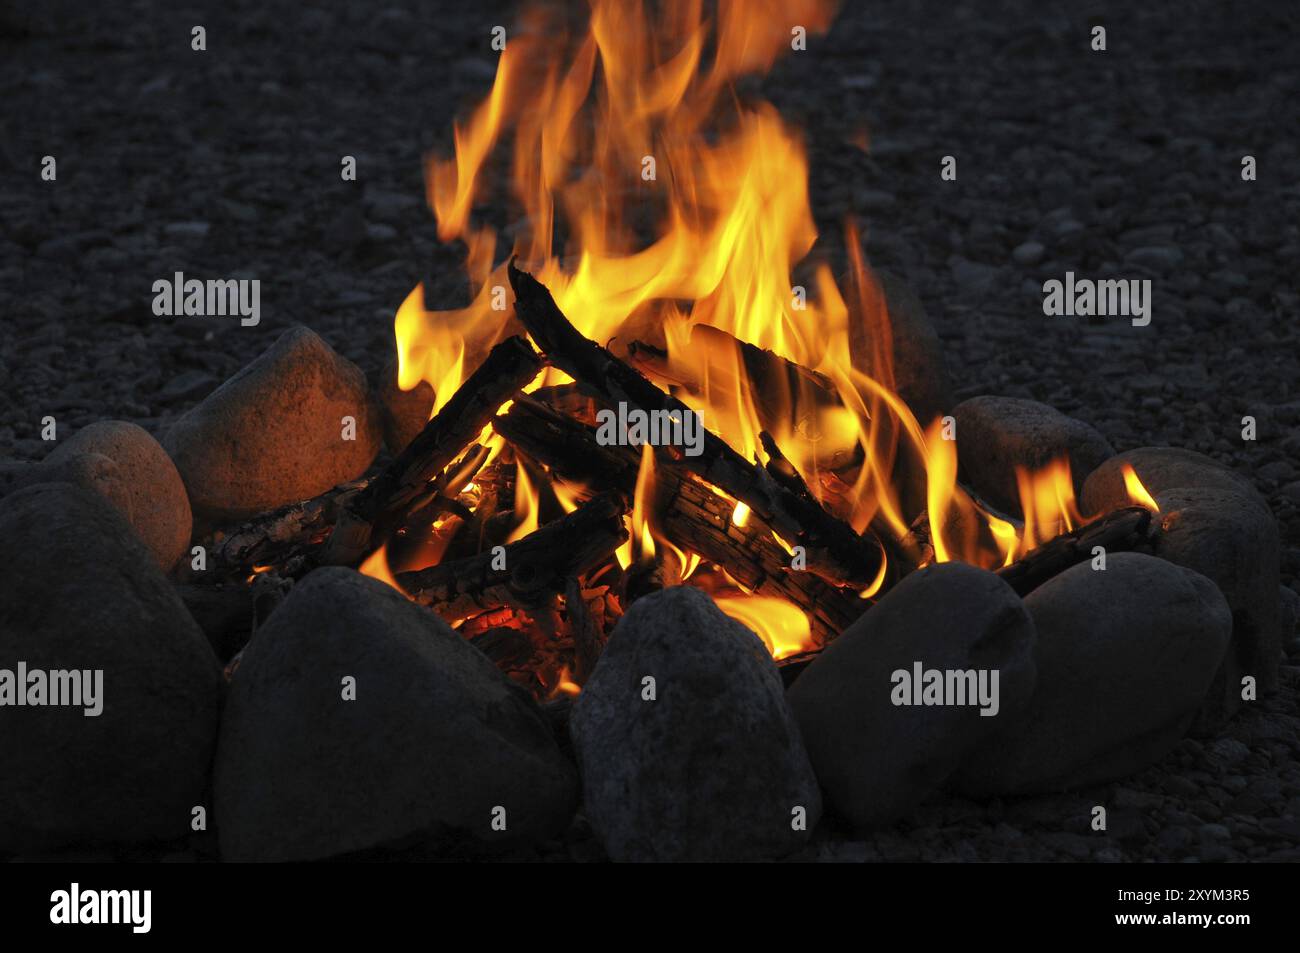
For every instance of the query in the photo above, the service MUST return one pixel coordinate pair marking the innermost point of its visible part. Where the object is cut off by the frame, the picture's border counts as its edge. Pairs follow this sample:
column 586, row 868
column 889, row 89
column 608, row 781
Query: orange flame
column 783, row 627
column 640, row 544
column 564, row 684
column 1047, row 501
column 376, row 567
column 1136, row 491
column 526, row 504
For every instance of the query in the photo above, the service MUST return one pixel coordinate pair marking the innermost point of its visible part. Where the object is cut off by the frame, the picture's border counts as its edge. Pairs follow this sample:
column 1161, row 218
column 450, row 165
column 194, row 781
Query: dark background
column 1100, row 157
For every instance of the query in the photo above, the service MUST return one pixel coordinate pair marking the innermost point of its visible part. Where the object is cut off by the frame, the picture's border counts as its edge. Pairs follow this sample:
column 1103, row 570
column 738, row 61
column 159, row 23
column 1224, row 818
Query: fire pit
column 673, row 542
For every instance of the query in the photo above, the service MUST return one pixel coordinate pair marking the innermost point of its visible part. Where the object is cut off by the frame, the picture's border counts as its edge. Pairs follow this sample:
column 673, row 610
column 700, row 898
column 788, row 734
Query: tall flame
column 660, row 206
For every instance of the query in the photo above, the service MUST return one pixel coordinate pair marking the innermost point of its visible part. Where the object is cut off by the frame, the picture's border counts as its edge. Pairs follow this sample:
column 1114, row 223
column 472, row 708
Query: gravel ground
column 1124, row 163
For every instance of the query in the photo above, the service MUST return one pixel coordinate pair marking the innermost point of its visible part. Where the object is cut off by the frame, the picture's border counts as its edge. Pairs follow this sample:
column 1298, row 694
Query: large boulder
column 995, row 435
column 1212, row 520
column 1215, row 521
column 159, row 510
column 878, row 755
column 293, row 423
column 1225, row 535
column 90, row 471
column 82, row 593
column 358, row 720
column 1125, row 656
column 687, row 748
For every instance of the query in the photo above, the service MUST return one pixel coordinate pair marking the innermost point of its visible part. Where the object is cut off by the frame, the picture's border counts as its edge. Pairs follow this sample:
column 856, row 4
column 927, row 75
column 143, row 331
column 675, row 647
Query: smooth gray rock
column 877, row 760
column 997, row 434
column 403, row 413
column 90, row 471
column 1125, row 657
column 1289, row 615
column 1224, row 529
column 82, row 592
column 1160, row 469
column 1161, row 258
column 1224, row 535
column 435, row 739
column 160, row 509
column 1028, row 253
column 273, row 433
column 713, row 768
column 1214, row 534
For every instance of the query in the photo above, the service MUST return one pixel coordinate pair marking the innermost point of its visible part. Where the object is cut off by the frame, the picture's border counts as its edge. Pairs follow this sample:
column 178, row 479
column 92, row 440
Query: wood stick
column 282, row 533
column 535, row 568
column 791, row 392
column 385, row 503
column 1121, row 530
column 834, row 550
column 587, row 642
column 689, row 513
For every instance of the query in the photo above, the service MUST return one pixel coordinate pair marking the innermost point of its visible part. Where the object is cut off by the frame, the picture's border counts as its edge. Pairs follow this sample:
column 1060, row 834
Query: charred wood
column 533, row 570
column 834, row 550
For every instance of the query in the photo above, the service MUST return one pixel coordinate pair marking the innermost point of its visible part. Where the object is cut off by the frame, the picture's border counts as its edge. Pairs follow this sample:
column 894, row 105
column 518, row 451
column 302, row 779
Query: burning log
column 281, row 534
column 440, row 495
column 587, row 642
column 536, row 568
column 1119, row 530
column 834, row 550
column 403, row 484
column 662, row 572
column 689, row 513
column 801, row 392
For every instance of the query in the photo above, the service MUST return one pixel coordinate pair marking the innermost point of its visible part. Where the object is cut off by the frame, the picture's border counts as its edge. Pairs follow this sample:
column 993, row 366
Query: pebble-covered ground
column 1125, row 163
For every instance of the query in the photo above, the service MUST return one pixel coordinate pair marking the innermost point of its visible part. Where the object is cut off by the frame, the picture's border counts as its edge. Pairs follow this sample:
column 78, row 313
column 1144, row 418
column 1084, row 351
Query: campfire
column 813, row 486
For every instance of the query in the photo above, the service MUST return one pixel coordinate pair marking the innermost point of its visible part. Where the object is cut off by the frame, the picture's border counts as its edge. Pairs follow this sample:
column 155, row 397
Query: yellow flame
column 879, row 581
column 565, row 685
column 1047, row 502
column 740, row 515
column 1136, row 491
column 376, row 567
column 782, row 626
column 526, row 504
column 568, row 496
column 642, row 501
